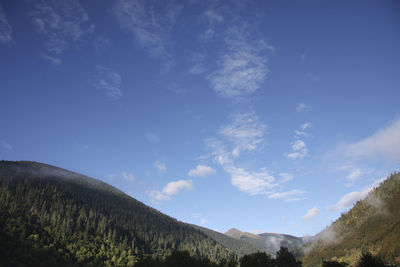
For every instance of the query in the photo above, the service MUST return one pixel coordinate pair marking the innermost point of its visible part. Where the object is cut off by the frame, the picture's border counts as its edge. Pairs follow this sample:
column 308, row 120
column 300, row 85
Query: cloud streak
column 170, row 189
column 351, row 198
column 5, row 28
column 310, row 214
column 383, row 143
column 201, row 171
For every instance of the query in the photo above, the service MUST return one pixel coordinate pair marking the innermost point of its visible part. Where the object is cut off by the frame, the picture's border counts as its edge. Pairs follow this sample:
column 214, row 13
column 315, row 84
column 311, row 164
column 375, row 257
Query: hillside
column 239, row 247
column 51, row 216
column 268, row 242
column 372, row 225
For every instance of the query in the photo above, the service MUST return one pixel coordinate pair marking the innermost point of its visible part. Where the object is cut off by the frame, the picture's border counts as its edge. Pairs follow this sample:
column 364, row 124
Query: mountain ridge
column 49, row 210
column 372, row 225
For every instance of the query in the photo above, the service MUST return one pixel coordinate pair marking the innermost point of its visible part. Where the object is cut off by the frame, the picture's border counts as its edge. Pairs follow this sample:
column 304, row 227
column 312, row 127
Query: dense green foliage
column 367, row 260
column 372, row 225
column 52, row 215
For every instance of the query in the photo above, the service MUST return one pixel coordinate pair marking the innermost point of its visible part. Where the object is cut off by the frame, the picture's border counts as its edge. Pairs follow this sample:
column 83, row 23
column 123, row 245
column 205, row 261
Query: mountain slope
column 74, row 219
column 372, row 225
column 239, row 247
column 268, row 242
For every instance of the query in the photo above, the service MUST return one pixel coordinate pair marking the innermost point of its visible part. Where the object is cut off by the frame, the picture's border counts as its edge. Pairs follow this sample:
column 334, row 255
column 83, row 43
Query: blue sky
column 267, row 116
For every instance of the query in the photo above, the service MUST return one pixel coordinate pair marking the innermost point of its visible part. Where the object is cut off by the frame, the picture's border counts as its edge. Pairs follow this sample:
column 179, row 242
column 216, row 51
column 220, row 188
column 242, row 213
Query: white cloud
column 170, row 189
column 175, row 187
column 152, row 138
column 286, row 177
column 303, row 107
column 5, row 145
column 298, row 145
column 300, row 133
column 351, row 198
column 128, row 176
column 5, row 28
column 109, row 81
column 305, row 125
column 383, row 143
column 299, row 150
column 243, row 66
column 354, row 174
column 245, row 132
column 62, row 22
column 157, row 196
column 311, row 214
column 160, row 166
column 286, row 194
column 201, row 171
column 253, row 183
column 150, row 22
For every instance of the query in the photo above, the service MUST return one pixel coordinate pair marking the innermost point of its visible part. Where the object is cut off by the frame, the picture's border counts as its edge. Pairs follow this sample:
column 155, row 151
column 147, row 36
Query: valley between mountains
column 54, row 217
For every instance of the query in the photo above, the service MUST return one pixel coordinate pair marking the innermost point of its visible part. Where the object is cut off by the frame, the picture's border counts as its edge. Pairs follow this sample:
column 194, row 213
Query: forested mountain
column 238, row 246
column 50, row 216
column 268, row 242
column 372, row 225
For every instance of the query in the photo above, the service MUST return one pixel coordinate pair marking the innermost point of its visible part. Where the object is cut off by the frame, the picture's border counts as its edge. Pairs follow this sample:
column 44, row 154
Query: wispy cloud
column 354, row 174
column 351, row 198
column 286, row 194
column 213, row 18
column 242, row 68
column 109, row 81
column 201, row 171
column 299, row 150
column 311, row 214
column 305, row 125
column 245, row 132
column 170, row 189
column 383, row 143
column 157, row 196
column 62, row 22
column 160, row 166
column 302, row 131
column 150, row 22
column 303, row 107
column 128, row 176
column 285, row 177
column 5, row 28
